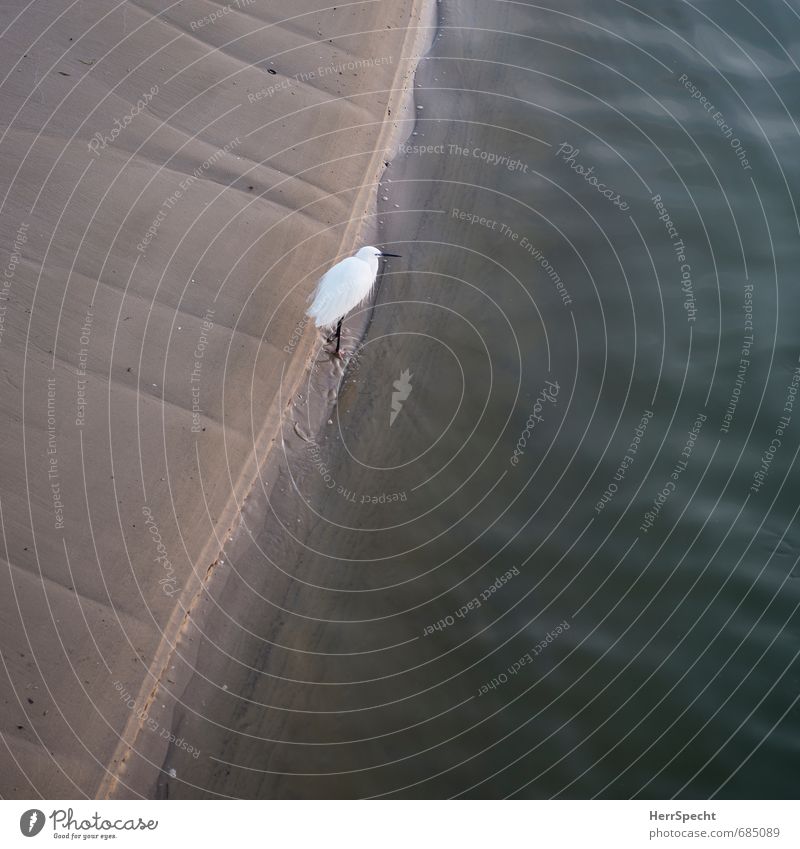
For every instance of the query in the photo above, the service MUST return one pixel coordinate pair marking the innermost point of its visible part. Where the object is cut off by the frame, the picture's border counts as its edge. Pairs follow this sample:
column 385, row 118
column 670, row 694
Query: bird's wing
column 341, row 289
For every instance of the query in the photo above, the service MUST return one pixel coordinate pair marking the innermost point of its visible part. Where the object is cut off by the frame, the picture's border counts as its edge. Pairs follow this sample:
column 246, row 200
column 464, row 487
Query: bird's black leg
column 338, row 336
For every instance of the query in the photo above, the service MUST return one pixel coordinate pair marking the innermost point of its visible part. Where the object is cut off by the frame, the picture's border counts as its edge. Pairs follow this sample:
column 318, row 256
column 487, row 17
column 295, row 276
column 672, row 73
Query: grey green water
column 548, row 544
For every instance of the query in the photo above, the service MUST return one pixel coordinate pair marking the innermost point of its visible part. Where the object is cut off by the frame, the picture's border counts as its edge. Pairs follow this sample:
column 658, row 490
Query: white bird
column 342, row 288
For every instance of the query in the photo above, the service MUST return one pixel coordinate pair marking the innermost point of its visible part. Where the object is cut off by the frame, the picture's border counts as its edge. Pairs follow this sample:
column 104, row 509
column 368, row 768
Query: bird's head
column 369, row 252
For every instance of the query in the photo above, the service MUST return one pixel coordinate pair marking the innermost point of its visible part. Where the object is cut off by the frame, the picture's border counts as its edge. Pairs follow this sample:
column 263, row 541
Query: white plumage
column 348, row 284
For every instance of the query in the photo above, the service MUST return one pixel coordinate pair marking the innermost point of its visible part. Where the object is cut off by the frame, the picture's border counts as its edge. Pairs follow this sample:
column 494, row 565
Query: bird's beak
column 397, row 255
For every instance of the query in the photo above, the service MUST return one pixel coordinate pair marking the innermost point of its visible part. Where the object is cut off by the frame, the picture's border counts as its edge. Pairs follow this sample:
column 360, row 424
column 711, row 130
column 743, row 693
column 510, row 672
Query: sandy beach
column 174, row 181
column 534, row 537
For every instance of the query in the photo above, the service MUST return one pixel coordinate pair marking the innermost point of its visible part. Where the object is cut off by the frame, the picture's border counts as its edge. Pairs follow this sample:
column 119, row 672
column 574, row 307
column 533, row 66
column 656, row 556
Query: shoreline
column 303, row 415
column 363, row 221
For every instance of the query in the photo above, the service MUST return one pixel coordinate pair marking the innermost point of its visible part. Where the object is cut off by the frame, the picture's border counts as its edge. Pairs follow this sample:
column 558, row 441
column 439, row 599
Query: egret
column 342, row 288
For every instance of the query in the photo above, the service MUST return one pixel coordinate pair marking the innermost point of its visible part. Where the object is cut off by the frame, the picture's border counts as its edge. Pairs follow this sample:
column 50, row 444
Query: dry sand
column 116, row 494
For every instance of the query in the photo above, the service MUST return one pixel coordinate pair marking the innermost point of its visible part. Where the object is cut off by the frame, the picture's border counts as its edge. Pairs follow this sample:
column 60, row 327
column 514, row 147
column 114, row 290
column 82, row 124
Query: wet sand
column 330, row 680
column 174, row 181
